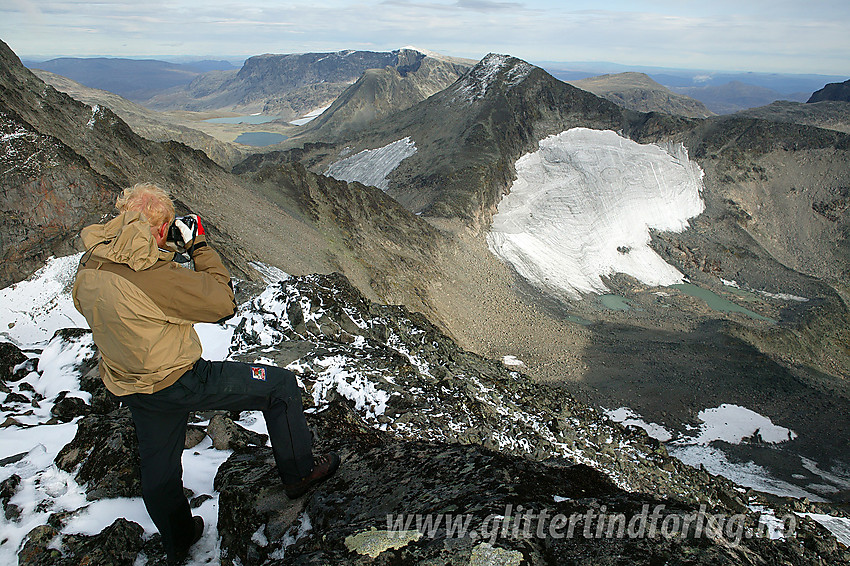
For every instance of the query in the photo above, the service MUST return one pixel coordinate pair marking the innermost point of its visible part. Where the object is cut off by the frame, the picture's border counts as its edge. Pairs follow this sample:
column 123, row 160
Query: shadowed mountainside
column 833, row 91
column 147, row 123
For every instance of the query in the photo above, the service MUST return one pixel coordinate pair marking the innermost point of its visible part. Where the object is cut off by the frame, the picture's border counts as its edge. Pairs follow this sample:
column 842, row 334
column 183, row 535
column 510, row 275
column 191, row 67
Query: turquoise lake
column 717, row 302
column 259, row 139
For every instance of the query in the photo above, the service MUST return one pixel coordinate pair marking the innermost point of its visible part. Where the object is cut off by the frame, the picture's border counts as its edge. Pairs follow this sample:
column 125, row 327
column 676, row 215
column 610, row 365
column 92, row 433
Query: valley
column 659, row 267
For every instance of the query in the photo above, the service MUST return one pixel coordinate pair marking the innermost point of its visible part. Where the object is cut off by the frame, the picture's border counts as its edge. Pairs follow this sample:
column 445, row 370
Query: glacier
column 582, row 208
column 373, row 166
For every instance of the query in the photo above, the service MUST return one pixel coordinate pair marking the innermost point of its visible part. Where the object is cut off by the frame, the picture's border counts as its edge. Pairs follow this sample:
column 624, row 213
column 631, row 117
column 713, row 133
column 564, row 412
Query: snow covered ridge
column 373, row 166
column 475, row 84
column 398, row 372
column 403, row 376
column 582, row 208
column 32, row 310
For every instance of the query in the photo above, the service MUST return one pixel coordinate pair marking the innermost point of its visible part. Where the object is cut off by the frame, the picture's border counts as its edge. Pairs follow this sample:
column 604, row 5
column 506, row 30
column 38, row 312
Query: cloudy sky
column 793, row 36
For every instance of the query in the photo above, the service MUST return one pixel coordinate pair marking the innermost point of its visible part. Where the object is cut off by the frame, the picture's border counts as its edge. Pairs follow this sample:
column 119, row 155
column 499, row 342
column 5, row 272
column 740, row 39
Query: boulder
column 10, row 357
column 104, row 456
column 117, row 545
column 67, row 408
column 228, row 435
column 8, row 488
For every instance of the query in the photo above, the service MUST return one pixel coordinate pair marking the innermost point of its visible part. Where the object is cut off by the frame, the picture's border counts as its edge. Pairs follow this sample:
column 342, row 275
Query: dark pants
column 161, row 419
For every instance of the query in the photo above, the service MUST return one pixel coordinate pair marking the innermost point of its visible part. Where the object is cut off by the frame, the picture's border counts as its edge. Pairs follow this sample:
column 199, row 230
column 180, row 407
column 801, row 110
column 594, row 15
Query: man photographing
column 141, row 306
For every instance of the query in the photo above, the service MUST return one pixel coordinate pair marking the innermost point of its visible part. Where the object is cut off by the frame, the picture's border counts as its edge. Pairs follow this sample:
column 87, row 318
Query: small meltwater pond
column 259, row 139
column 717, row 302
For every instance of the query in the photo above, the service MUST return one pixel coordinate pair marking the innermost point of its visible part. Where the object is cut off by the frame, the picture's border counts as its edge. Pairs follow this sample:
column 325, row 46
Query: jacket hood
column 125, row 239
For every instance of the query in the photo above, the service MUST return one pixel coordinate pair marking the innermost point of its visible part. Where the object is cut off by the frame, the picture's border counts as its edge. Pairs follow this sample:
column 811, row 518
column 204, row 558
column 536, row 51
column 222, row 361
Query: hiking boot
column 324, row 467
column 183, row 555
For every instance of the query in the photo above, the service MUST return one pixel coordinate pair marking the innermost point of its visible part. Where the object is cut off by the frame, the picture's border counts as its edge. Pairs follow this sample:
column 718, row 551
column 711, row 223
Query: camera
column 174, row 234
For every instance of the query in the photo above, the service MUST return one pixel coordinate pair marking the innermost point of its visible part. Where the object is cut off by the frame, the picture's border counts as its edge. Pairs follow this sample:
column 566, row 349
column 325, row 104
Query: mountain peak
column 507, row 70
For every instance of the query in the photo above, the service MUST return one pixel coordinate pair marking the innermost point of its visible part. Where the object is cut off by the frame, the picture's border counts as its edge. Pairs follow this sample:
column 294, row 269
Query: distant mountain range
column 294, row 84
column 289, row 86
column 637, row 91
column 134, row 79
column 721, row 92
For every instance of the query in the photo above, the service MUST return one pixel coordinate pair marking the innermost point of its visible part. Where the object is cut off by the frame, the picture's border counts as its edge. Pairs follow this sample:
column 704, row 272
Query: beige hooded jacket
column 141, row 305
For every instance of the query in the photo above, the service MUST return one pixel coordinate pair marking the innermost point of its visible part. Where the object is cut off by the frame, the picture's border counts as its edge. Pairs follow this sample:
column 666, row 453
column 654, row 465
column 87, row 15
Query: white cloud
column 777, row 36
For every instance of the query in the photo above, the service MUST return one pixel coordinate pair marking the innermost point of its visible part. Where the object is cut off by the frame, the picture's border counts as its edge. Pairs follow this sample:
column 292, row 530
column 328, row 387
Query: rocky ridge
column 833, row 91
column 146, row 123
column 424, row 428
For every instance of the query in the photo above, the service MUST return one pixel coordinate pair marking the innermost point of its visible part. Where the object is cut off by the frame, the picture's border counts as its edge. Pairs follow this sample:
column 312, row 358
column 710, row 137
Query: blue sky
column 722, row 35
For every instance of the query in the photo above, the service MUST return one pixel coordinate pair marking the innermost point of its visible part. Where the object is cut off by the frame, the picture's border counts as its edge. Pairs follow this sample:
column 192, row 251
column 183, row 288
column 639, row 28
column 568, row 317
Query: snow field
column 582, row 208
column 373, row 166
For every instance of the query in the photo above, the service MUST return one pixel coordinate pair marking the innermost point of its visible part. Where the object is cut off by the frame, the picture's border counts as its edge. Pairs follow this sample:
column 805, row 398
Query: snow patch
column 95, row 112
column 480, row 78
column 350, row 385
column 838, row 526
column 270, row 273
column 627, row 417
column 310, row 116
column 32, row 310
column 582, row 208
column 747, row 474
column 779, row 296
column 373, row 166
column 732, row 424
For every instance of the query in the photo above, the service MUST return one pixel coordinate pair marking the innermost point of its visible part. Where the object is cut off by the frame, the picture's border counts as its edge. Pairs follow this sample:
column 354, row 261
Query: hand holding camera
column 185, row 229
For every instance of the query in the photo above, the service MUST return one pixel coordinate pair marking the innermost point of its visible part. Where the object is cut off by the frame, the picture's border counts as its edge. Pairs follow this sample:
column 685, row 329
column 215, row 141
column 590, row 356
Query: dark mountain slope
column 829, row 114
column 381, row 92
column 147, row 123
column 832, row 91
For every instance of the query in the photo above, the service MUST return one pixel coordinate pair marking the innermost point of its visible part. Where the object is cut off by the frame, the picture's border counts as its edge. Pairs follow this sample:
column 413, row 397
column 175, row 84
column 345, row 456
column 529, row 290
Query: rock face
column 832, row 91
column 50, row 194
column 104, row 455
column 381, row 92
column 290, row 85
column 118, row 545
